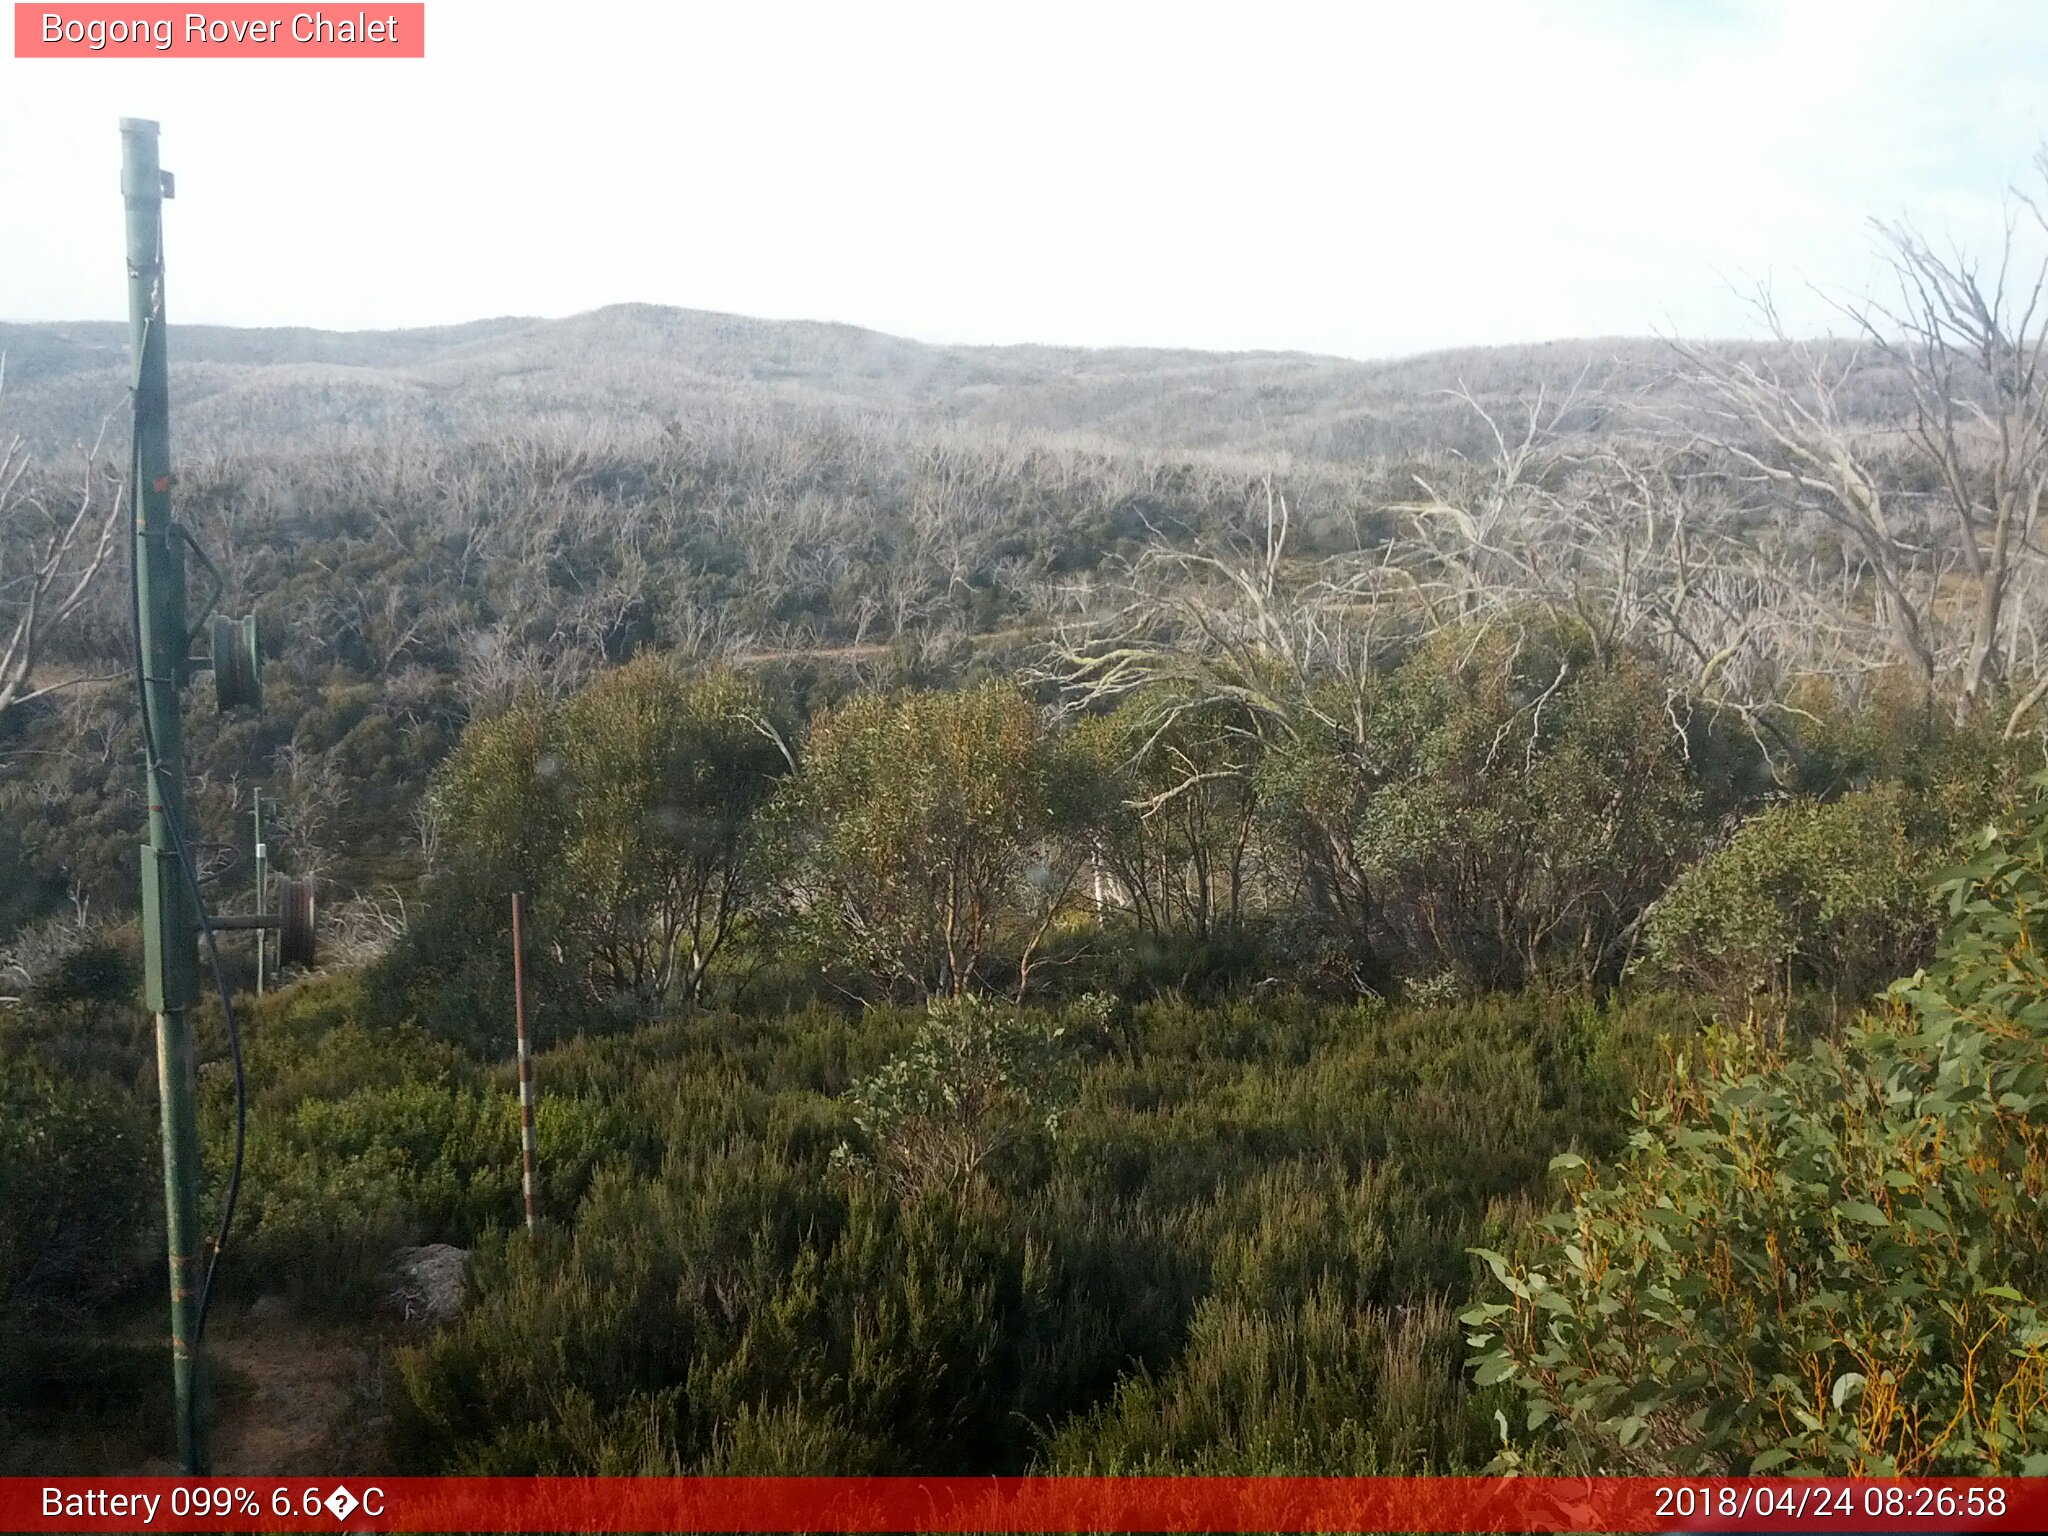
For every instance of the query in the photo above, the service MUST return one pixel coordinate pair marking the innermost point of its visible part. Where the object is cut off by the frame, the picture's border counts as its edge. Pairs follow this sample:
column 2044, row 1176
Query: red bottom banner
column 1030, row 1504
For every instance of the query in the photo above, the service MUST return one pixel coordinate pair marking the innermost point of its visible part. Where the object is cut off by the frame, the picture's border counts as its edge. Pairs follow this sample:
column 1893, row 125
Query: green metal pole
column 169, row 927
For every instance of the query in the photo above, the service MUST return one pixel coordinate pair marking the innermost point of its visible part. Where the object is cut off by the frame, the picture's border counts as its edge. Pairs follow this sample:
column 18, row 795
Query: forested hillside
column 1078, row 902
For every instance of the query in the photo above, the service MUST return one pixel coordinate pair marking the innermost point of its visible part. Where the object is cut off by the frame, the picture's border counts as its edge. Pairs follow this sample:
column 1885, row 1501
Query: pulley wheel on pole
column 237, row 663
column 295, row 923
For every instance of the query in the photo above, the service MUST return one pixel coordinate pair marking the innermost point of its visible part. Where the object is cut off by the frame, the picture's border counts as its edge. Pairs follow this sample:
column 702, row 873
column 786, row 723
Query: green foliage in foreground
column 1826, row 1261
column 78, row 1223
column 1242, row 1204
column 364, row 1139
column 75, row 1176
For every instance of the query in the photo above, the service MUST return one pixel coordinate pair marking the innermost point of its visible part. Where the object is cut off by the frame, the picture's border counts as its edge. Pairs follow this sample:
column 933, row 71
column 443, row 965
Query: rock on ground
column 428, row 1283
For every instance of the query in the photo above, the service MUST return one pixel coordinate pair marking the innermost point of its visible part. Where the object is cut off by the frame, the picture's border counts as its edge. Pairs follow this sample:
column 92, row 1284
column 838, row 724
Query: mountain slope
column 642, row 364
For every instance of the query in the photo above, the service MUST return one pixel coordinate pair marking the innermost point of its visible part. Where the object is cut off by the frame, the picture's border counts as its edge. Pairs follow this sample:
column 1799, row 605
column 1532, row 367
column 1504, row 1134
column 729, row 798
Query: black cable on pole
column 157, row 777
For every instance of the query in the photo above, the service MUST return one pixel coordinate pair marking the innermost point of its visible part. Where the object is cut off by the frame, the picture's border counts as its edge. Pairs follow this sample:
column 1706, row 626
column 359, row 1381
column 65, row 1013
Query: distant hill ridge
column 249, row 389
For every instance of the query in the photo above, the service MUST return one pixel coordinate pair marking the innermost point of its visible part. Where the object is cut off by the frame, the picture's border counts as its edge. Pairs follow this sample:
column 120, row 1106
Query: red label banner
column 1027, row 1504
column 381, row 31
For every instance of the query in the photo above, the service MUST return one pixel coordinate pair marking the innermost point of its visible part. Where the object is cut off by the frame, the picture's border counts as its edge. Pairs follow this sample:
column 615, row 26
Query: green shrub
column 979, row 1080
column 1501, row 805
column 82, row 1018
column 1832, row 1261
column 1319, row 1387
column 1304, row 1176
column 627, row 816
column 1539, row 798
column 89, row 981
column 1833, row 896
column 1957, row 777
column 80, row 1234
column 736, row 1313
column 938, row 837
column 451, row 972
column 1177, row 812
column 75, row 1193
column 362, row 1139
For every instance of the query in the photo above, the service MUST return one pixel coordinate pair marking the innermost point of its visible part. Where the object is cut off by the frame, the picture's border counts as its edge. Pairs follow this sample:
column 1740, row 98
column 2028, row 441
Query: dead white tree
column 1476, row 546
column 1254, row 627
column 51, row 552
column 361, row 927
column 1258, row 651
column 1635, row 545
column 1939, row 507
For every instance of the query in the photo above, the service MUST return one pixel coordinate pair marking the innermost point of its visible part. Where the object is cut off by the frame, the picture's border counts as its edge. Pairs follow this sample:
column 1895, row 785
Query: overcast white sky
column 1361, row 178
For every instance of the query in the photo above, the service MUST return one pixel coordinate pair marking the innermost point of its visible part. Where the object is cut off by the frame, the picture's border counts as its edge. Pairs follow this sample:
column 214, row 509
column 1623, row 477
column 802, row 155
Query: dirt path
column 297, row 1401
column 291, row 1398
